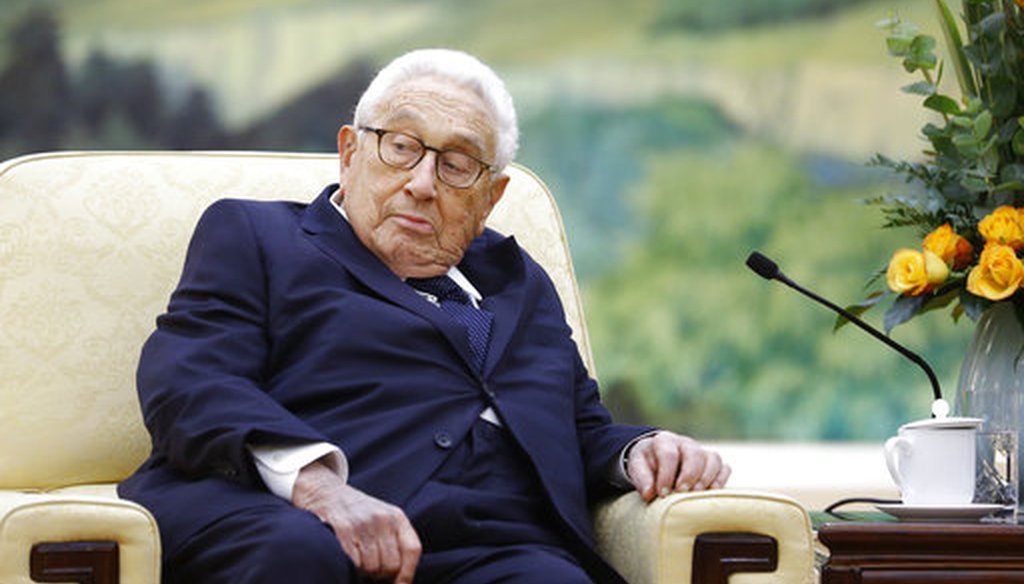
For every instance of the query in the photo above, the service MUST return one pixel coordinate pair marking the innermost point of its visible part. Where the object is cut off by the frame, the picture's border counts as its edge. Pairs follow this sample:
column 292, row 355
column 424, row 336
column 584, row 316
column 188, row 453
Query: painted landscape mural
column 677, row 136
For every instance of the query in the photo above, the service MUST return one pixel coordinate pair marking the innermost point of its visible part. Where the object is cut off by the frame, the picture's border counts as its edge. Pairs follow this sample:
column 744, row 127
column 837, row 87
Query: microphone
column 769, row 270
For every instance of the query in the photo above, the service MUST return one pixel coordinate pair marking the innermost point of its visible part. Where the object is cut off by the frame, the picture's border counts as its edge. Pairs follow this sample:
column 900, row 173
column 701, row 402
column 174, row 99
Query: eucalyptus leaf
column 974, row 185
column 962, row 122
column 1018, row 143
column 888, row 22
column 942, row 104
column 919, row 88
column 1013, row 172
column 982, row 124
column 1003, row 95
column 1009, row 186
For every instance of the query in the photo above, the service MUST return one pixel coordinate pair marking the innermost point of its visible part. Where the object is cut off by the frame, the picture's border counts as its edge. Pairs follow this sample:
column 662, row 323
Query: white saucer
column 972, row 512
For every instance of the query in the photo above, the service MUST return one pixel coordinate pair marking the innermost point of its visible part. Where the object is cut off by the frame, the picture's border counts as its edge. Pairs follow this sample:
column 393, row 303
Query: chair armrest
column 655, row 543
column 39, row 529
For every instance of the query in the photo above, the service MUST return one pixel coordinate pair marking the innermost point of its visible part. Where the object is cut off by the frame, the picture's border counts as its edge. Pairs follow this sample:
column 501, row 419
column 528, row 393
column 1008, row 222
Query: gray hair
column 460, row 68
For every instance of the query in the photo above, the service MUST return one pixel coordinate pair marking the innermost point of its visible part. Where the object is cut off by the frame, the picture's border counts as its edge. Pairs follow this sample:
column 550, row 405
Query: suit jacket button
column 443, row 440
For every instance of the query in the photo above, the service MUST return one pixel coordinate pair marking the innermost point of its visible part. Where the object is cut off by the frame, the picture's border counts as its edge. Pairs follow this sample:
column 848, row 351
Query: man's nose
column 421, row 184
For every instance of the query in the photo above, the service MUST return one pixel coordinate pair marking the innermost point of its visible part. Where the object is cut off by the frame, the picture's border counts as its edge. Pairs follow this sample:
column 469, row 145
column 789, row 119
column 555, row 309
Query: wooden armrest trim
column 83, row 562
column 716, row 556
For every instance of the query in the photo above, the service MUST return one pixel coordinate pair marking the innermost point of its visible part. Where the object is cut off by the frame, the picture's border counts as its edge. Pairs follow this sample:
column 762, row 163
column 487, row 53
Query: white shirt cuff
column 279, row 466
column 620, row 472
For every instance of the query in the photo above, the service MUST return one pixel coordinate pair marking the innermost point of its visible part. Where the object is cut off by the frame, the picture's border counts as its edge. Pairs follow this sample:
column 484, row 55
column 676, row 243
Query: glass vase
column 991, row 387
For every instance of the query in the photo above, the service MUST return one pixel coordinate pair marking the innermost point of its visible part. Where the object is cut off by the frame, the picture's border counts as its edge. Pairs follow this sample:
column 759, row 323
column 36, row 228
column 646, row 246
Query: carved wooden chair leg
column 83, row 562
column 716, row 556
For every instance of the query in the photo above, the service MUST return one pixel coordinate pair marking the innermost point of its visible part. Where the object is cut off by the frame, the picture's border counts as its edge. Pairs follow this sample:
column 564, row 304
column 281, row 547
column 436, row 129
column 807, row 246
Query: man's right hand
column 377, row 536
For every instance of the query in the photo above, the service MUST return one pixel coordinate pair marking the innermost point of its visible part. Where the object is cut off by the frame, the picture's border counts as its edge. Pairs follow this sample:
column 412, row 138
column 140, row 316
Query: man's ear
column 348, row 139
column 494, row 194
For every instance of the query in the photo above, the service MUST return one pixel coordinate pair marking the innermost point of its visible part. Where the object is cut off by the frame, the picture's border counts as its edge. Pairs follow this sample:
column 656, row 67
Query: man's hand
column 667, row 462
column 377, row 536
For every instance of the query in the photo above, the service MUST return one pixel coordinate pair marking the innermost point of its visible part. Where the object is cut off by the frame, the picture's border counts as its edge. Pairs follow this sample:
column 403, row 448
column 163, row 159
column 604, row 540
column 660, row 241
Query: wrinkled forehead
column 441, row 112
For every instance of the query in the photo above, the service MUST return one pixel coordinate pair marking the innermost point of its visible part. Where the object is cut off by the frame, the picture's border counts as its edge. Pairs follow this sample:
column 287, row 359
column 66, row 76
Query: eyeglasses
column 399, row 150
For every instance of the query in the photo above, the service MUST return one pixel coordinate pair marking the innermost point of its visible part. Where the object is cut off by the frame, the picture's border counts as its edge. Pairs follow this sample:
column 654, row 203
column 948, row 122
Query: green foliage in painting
column 590, row 155
column 702, row 15
column 730, row 354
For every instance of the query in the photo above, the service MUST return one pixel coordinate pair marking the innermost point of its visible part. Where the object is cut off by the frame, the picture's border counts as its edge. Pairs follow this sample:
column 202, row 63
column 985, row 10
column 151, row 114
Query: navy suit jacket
column 284, row 329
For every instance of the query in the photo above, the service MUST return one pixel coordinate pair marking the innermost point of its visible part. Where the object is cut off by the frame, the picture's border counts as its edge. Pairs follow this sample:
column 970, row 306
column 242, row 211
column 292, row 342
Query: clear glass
column 996, row 474
column 991, row 384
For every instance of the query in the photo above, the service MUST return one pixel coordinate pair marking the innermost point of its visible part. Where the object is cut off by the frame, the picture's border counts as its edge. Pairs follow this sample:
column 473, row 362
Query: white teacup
column 932, row 461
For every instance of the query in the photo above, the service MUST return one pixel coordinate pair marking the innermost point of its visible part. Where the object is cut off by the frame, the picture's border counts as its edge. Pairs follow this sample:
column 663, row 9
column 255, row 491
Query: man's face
column 416, row 224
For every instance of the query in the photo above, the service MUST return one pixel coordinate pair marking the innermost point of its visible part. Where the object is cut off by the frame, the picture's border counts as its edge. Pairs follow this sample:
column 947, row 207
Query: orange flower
column 914, row 273
column 1019, row 3
column 956, row 251
column 998, row 274
column 1003, row 226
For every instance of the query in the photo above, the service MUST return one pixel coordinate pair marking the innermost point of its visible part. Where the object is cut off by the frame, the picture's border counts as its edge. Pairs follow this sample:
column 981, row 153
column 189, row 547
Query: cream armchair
column 91, row 245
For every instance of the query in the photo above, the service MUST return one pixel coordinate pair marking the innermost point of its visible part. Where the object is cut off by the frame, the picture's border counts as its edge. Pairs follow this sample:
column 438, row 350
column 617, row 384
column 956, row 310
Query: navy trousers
column 482, row 519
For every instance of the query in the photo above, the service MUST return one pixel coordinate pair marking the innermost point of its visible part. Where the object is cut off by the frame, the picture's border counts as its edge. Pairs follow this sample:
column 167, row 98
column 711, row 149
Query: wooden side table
column 920, row 553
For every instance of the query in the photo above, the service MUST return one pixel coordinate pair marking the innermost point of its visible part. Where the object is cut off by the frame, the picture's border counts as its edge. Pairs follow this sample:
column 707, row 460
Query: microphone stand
column 770, row 270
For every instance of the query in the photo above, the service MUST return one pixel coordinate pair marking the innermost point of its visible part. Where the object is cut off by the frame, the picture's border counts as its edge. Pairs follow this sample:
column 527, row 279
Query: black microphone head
column 762, row 265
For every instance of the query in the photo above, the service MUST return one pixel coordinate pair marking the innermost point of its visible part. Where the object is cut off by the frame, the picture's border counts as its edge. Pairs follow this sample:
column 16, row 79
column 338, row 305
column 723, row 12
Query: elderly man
column 374, row 386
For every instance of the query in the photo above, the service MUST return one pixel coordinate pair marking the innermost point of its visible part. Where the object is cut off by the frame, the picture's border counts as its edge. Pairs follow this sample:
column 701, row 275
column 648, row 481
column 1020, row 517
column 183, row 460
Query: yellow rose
column 956, row 251
column 998, row 273
column 914, row 273
column 1003, row 226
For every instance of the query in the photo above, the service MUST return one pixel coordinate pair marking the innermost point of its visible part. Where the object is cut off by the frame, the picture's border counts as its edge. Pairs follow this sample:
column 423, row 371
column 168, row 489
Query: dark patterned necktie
column 456, row 303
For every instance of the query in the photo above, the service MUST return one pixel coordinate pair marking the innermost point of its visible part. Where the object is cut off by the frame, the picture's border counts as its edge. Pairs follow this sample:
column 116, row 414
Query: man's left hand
column 666, row 462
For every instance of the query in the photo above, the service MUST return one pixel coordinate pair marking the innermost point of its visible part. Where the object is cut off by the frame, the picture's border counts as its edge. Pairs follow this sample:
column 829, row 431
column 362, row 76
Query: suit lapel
column 335, row 238
column 494, row 264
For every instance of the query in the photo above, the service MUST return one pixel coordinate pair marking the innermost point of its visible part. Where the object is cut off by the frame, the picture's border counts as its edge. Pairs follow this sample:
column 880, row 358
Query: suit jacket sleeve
column 201, row 373
column 601, row 441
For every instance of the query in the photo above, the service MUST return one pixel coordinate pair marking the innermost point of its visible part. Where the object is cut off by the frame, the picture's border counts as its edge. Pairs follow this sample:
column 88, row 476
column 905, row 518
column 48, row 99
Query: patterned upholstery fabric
column 91, row 246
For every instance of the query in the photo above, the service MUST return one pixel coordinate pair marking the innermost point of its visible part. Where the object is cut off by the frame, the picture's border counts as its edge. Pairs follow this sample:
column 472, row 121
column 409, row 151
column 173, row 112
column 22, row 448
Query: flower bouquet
column 969, row 202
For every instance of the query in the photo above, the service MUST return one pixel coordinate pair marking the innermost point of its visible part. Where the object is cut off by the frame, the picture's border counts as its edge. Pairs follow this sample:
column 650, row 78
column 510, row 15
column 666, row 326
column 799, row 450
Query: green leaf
column 1018, row 143
column 974, row 184
column 1008, row 187
column 993, row 25
column 919, row 88
column 923, row 46
column 889, row 22
column 942, row 104
column 1013, row 172
column 973, row 305
column 902, row 310
column 860, row 308
column 955, row 46
column 1003, row 98
column 942, row 297
column 982, row 124
column 963, row 122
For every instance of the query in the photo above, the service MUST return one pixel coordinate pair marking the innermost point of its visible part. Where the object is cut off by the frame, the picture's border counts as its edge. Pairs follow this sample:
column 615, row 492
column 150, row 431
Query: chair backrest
column 91, row 246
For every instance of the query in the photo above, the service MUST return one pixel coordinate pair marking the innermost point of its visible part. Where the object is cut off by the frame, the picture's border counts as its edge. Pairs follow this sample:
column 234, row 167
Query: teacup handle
column 896, row 448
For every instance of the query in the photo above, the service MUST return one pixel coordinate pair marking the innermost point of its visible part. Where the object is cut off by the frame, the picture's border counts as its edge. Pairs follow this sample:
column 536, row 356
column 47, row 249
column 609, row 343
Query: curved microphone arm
column 768, row 269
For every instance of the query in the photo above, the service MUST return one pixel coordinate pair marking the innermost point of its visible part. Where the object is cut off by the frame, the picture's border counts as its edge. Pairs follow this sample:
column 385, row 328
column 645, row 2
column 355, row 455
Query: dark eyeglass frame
column 380, row 132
